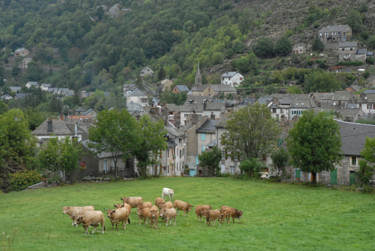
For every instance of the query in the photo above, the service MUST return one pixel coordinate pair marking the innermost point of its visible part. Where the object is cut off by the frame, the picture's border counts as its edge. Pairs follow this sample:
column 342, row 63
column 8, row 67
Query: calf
column 154, row 216
column 73, row 212
column 167, row 192
column 91, row 218
column 168, row 214
column 144, row 214
column 159, row 201
column 133, row 201
column 182, row 205
column 212, row 215
column 119, row 215
column 200, row 211
column 167, row 204
column 227, row 212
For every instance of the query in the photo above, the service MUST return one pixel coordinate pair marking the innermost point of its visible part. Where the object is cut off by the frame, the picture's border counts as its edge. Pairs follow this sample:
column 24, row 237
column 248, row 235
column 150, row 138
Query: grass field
column 276, row 216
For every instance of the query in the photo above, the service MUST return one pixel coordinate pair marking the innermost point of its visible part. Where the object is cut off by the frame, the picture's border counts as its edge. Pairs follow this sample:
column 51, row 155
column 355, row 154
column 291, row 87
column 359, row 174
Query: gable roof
column 353, row 136
column 229, row 74
column 136, row 93
column 333, row 28
column 208, row 127
column 182, row 88
column 59, row 128
column 347, row 44
column 223, row 88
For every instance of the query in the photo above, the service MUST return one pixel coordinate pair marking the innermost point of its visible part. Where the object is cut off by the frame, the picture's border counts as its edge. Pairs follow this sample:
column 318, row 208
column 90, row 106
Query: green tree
column 251, row 166
column 366, row 165
column 59, row 155
column 321, row 82
column 161, row 74
column 3, row 107
column 317, row 45
column 283, row 46
column 210, row 159
column 354, row 20
column 115, row 132
column 314, row 143
column 280, row 159
column 151, row 142
column 264, row 48
column 251, row 132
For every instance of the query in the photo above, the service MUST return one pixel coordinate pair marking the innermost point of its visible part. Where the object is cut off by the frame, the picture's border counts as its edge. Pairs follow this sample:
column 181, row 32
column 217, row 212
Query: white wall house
column 137, row 96
column 232, row 78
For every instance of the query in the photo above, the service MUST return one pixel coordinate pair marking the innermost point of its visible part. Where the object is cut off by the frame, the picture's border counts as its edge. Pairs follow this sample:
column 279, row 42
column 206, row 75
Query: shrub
column 23, row 179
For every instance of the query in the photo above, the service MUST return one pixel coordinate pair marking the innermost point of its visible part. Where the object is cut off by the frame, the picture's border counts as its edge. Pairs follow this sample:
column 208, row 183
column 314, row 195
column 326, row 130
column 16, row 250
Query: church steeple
column 198, row 76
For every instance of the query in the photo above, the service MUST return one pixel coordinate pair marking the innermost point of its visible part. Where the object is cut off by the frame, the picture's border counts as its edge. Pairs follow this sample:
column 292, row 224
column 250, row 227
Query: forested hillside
column 96, row 44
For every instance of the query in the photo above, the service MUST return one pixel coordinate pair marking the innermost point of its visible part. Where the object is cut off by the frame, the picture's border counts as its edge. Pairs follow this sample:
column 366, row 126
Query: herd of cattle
column 168, row 211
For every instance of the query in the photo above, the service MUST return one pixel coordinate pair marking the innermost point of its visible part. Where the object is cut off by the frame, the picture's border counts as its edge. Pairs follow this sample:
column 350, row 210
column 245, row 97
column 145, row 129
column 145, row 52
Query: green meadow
column 276, row 217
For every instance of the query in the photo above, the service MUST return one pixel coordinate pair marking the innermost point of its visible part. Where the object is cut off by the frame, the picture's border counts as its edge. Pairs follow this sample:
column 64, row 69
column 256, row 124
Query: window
column 105, row 166
column 354, row 161
column 369, row 106
column 180, row 153
column 203, row 148
column 203, row 136
column 232, row 169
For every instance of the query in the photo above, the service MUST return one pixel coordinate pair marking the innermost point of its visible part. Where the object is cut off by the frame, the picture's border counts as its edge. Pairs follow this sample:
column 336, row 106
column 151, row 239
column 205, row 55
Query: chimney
column 76, row 130
column 212, row 116
column 49, row 125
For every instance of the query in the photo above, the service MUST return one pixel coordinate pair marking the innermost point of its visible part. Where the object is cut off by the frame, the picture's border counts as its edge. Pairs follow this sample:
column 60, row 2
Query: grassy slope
column 276, row 216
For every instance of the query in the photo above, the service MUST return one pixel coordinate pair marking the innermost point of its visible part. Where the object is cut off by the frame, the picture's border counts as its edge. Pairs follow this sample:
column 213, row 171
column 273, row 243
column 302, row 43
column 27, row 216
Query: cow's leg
column 93, row 231
column 140, row 221
column 175, row 221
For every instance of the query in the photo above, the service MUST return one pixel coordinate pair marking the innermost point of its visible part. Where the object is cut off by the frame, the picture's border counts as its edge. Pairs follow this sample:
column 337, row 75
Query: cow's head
column 118, row 205
column 65, row 209
column 154, row 213
column 189, row 207
column 110, row 212
column 239, row 214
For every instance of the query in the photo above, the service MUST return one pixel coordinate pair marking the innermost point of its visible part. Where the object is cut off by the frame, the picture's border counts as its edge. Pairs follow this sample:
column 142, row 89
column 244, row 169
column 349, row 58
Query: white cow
column 167, row 192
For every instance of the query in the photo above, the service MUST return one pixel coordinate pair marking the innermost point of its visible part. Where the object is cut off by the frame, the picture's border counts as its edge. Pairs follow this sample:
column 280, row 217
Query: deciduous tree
column 210, row 159
column 251, row 132
column 314, row 143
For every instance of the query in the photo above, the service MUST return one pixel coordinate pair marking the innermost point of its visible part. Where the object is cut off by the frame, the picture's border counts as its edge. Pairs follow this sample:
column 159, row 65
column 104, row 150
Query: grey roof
column 59, row 128
column 264, row 100
column 335, row 28
column 210, row 106
column 370, row 53
column 347, row 44
column 133, row 107
column 362, row 52
column 136, row 93
column 353, row 136
column 223, row 88
column 199, row 87
column 88, row 111
column 369, row 92
column 350, row 112
column 182, row 88
column 342, row 95
column 368, row 98
column 229, row 74
column 208, row 127
column 15, row 88
column 21, row 95
column 80, row 109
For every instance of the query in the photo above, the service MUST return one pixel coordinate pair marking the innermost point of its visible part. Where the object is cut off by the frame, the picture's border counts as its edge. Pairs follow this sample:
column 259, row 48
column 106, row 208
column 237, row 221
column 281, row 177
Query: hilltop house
column 232, row 78
column 32, row 84
column 146, row 71
column 348, row 51
column 332, row 35
column 136, row 96
column 23, row 52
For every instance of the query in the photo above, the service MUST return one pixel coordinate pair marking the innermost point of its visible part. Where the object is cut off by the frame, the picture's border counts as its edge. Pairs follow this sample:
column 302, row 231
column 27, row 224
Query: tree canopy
column 210, row 159
column 116, row 132
column 251, row 132
column 314, row 143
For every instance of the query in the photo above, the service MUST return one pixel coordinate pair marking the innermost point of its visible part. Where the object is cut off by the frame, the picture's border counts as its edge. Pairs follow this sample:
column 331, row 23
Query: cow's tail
column 128, row 221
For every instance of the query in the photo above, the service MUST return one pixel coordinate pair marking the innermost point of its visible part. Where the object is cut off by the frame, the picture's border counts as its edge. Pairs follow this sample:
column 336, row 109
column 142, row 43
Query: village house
column 146, row 71
column 22, row 52
column 32, row 84
column 232, row 78
column 180, row 89
column 367, row 102
column 45, row 87
column 332, row 35
column 348, row 51
column 353, row 137
column 6, row 97
column 136, row 96
column 24, row 64
column 299, row 49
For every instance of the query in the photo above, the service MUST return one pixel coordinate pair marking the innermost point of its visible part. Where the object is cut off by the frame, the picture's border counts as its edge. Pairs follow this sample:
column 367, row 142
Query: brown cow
column 144, row 214
column 154, row 216
column 212, row 215
column 159, row 201
column 227, row 212
column 182, row 205
column 168, row 214
column 133, row 201
column 200, row 211
column 73, row 212
column 123, row 205
column 91, row 218
column 119, row 215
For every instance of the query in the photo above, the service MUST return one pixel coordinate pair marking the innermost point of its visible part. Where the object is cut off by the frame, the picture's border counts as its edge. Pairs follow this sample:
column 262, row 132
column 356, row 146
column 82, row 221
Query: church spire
column 198, row 76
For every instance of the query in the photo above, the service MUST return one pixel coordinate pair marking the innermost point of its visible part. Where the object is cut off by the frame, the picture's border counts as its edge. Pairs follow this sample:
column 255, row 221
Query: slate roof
column 21, row 95
column 223, row 88
column 229, row 74
column 59, row 128
column 136, row 93
column 353, row 136
column 333, row 28
column 347, row 44
column 199, row 87
column 208, row 127
column 342, row 95
column 182, row 88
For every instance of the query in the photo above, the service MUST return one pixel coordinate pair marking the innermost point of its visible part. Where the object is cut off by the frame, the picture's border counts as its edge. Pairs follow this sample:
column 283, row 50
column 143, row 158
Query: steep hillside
column 101, row 44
